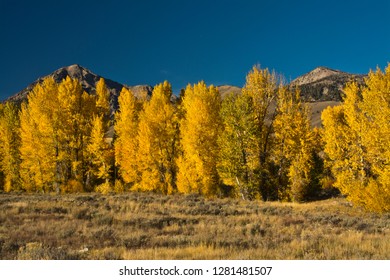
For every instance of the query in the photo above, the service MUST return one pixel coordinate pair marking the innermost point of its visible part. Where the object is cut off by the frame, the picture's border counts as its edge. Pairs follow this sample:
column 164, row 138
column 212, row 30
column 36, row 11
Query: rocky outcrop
column 324, row 84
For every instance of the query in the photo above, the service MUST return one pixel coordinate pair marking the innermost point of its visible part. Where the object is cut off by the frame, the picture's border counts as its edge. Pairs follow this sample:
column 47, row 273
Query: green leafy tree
column 238, row 157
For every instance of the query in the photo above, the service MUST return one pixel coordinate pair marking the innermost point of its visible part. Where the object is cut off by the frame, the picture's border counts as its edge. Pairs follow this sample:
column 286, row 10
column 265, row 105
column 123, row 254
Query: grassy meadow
column 152, row 226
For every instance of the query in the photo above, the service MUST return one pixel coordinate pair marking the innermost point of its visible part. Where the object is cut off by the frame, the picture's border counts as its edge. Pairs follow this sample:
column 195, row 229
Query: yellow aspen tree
column 38, row 134
column 357, row 142
column 40, row 129
column 262, row 87
column 157, row 142
column 56, row 126
column 94, row 106
column 75, row 114
column 376, row 122
column 100, row 155
column 46, row 108
column 238, row 156
column 102, row 101
column 126, row 141
column 294, row 147
column 335, row 127
column 199, row 132
column 38, row 156
column 69, row 97
column 9, row 147
column 343, row 145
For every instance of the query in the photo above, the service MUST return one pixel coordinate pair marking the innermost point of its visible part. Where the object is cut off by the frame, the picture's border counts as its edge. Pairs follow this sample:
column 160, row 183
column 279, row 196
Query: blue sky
column 147, row 42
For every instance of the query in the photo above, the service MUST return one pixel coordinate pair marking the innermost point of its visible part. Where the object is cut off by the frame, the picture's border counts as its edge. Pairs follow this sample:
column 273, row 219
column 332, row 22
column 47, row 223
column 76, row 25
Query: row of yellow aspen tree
column 254, row 145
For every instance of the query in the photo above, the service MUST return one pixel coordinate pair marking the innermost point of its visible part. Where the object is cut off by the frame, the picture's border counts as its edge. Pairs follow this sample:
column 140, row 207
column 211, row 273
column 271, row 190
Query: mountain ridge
column 320, row 84
column 88, row 80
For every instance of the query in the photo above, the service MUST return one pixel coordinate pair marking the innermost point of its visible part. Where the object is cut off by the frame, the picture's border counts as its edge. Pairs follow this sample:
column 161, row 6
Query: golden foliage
column 40, row 124
column 72, row 186
column 199, row 132
column 56, row 125
column 257, row 143
column 104, row 188
column 99, row 151
column 238, row 142
column 9, row 147
column 294, row 146
column 262, row 87
column 157, row 141
column 126, row 143
column 102, row 102
column 357, row 142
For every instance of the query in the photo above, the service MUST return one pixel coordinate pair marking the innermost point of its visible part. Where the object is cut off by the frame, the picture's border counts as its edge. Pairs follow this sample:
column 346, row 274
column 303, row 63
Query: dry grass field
column 151, row 226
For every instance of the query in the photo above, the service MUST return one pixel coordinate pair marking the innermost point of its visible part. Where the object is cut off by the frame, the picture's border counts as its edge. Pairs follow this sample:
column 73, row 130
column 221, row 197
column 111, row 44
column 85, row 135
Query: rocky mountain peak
column 88, row 80
column 324, row 84
column 315, row 75
column 74, row 71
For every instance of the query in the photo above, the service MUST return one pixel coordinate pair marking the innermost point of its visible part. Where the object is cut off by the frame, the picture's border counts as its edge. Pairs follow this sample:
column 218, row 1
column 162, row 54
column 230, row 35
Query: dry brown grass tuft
column 151, row 226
